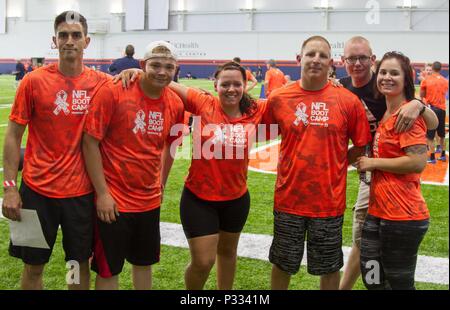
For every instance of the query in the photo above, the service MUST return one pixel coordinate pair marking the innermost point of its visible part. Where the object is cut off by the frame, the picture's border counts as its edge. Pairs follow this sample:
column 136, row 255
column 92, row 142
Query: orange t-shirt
column 54, row 108
column 219, row 165
column 132, row 130
column 397, row 197
column 315, row 128
column 249, row 76
column 435, row 86
column 275, row 79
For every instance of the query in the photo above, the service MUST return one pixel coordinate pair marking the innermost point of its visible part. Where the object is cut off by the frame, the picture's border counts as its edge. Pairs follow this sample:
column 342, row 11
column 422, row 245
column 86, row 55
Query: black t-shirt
column 375, row 108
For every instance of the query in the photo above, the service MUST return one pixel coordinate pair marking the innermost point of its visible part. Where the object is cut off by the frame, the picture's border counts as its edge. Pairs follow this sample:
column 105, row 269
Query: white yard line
column 429, row 269
column 256, row 246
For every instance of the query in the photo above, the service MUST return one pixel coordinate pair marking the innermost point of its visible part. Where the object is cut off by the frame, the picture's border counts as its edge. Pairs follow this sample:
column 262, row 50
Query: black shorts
column 202, row 217
column 324, row 243
column 133, row 236
column 75, row 215
column 441, row 126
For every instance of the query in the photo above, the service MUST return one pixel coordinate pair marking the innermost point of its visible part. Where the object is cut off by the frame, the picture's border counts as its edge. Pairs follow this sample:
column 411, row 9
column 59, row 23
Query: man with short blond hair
column 316, row 121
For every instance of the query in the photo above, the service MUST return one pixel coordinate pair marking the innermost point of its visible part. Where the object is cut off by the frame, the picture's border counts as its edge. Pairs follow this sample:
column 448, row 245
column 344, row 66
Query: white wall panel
column 348, row 21
column 214, row 5
column 288, row 22
column 158, row 14
column 219, row 23
column 223, row 36
column 427, row 21
column 134, row 14
column 2, row 16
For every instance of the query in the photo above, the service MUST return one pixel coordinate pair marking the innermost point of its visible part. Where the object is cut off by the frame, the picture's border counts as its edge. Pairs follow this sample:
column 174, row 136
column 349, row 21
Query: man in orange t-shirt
column 433, row 90
column 427, row 71
column 126, row 145
column 52, row 101
column 316, row 121
column 274, row 78
column 249, row 76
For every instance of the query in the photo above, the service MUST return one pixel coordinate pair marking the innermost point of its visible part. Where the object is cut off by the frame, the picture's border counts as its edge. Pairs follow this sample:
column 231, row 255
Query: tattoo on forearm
column 416, row 149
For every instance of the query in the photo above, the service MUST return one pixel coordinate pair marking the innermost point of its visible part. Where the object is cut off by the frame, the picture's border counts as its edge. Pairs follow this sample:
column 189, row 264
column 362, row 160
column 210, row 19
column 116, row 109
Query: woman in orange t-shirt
column 215, row 201
column 398, row 216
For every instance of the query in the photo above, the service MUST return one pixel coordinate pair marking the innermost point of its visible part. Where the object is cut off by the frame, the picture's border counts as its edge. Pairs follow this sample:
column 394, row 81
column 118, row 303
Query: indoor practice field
column 252, row 273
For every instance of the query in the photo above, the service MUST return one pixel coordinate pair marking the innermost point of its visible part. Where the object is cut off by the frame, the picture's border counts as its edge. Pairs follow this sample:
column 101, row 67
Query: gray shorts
column 324, row 243
column 359, row 212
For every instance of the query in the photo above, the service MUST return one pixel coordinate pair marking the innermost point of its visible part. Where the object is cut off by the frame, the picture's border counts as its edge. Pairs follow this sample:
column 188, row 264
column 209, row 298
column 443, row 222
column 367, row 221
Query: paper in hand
column 28, row 232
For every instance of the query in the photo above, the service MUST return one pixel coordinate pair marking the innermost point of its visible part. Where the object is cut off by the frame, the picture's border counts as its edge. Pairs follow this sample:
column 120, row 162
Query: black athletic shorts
column 202, row 217
column 441, row 126
column 133, row 236
column 75, row 215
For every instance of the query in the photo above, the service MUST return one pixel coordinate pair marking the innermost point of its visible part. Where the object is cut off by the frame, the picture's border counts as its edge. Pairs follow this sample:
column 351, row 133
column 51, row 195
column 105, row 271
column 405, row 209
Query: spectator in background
column 250, row 78
column 374, row 66
column 29, row 67
column 259, row 74
column 274, row 78
column 433, row 90
column 20, row 73
column 127, row 62
column 177, row 74
column 427, row 71
column 332, row 72
column 288, row 79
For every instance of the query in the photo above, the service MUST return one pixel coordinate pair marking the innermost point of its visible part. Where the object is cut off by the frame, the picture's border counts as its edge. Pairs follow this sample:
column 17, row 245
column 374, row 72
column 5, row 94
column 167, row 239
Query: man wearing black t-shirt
column 358, row 59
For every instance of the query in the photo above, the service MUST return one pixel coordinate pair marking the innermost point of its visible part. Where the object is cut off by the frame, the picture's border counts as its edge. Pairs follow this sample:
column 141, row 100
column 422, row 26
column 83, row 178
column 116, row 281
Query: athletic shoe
column 431, row 161
column 442, row 158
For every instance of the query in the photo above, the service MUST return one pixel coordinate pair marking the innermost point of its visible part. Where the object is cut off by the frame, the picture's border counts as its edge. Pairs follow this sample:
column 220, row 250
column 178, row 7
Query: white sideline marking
column 429, row 269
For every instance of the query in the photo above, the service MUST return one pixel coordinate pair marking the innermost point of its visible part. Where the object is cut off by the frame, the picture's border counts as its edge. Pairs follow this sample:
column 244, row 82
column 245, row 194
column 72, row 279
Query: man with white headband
column 126, row 149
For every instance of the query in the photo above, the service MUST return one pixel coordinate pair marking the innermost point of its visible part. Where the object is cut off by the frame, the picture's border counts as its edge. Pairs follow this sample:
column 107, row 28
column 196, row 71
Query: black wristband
column 424, row 107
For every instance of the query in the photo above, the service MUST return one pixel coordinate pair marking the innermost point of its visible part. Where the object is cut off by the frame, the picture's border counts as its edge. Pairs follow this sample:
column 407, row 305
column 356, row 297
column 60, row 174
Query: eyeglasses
column 353, row 59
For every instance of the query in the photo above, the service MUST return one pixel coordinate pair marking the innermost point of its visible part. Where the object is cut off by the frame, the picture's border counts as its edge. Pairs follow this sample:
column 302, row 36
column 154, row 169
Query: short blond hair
column 358, row 39
column 315, row 38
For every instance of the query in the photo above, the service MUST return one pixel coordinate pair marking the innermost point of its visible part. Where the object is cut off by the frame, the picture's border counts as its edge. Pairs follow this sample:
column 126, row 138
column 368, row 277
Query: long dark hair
column 409, row 89
column 247, row 103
